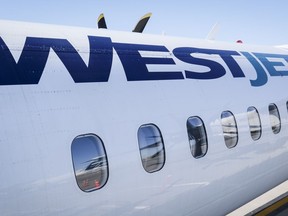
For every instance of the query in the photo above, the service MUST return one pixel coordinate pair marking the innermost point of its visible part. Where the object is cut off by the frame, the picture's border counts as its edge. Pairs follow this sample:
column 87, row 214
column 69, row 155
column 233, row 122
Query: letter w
column 35, row 54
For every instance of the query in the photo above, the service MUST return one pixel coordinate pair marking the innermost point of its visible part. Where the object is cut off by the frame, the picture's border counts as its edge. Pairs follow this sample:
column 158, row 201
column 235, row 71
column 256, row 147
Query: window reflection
column 197, row 137
column 230, row 130
column 151, row 147
column 274, row 118
column 90, row 162
column 254, row 123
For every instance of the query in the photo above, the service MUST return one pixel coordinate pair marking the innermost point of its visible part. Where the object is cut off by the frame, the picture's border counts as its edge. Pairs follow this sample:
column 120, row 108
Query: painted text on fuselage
column 35, row 54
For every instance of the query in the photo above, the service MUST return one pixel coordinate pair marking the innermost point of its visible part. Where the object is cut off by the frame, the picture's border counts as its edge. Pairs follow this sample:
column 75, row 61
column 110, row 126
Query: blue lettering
column 35, row 53
column 261, row 74
column 184, row 54
column 135, row 65
column 270, row 65
column 30, row 65
column 233, row 66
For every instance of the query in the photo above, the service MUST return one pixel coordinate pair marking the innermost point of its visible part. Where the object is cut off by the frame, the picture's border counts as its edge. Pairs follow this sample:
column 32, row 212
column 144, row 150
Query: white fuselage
column 40, row 120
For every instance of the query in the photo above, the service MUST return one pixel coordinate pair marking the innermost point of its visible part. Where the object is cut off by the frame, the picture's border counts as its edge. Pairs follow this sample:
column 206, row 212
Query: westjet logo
column 34, row 56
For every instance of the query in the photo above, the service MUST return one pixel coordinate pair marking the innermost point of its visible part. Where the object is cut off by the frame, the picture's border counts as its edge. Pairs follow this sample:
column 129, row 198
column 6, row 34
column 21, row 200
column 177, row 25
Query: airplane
column 172, row 126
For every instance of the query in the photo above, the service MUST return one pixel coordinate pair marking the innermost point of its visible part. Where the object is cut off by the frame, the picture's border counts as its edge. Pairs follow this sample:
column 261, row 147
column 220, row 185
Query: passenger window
column 274, row 118
column 197, row 137
column 230, row 130
column 89, row 162
column 151, row 147
column 254, row 123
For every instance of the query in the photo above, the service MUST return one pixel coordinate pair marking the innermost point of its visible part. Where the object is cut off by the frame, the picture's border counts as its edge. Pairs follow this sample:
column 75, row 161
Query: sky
column 253, row 22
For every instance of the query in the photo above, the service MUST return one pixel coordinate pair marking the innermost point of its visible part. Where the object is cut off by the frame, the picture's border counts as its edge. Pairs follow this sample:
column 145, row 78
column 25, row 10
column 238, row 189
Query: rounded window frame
column 103, row 149
column 255, row 138
column 144, row 160
column 276, row 129
column 195, row 130
column 226, row 137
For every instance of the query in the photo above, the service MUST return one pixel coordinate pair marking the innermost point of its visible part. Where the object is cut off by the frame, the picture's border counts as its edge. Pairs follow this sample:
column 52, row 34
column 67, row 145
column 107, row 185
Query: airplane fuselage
column 60, row 84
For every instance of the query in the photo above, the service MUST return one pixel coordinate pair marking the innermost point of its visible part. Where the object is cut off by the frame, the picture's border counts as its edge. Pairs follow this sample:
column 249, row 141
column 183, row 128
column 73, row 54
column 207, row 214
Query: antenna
column 214, row 31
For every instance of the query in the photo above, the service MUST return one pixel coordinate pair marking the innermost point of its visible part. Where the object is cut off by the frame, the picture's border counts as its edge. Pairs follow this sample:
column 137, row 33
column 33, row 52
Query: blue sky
column 254, row 22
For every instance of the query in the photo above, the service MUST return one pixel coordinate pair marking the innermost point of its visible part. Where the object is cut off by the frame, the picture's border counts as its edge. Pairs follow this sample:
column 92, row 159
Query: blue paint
column 135, row 65
column 261, row 74
column 271, row 65
column 216, row 70
column 34, row 56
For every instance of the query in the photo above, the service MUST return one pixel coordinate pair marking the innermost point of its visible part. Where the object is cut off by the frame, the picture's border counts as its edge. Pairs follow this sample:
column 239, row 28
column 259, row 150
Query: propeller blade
column 142, row 23
column 101, row 22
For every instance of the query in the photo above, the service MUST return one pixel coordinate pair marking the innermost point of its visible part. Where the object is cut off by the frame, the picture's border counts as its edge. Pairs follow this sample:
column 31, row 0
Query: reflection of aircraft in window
column 96, row 162
column 101, row 87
